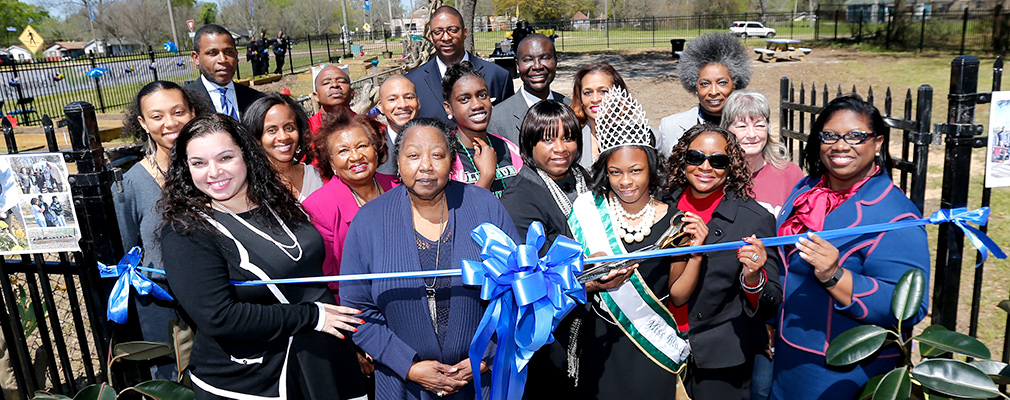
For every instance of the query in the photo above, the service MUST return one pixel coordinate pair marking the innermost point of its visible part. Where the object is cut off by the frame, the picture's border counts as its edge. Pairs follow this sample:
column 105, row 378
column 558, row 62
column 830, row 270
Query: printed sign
column 997, row 158
column 189, row 23
column 37, row 213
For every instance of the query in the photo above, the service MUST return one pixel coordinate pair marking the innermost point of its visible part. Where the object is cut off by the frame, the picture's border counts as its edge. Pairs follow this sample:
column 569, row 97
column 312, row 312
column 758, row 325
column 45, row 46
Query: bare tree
column 316, row 16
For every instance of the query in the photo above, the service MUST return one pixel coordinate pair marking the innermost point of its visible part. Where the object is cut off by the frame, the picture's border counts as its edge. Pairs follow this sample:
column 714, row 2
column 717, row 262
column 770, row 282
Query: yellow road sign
column 31, row 39
column 367, row 27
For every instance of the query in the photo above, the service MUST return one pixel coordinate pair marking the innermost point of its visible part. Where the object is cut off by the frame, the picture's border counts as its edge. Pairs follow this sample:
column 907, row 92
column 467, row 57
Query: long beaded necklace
column 286, row 248
column 429, row 290
column 623, row 228
column 474, row 163
column 559, row 195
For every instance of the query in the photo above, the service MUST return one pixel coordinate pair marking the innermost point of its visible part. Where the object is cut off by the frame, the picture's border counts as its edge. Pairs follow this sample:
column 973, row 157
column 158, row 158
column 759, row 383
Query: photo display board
column 37, row 212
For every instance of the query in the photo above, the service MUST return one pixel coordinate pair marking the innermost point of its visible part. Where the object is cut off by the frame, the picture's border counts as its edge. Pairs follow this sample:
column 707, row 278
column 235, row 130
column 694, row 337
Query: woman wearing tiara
column 621, row 215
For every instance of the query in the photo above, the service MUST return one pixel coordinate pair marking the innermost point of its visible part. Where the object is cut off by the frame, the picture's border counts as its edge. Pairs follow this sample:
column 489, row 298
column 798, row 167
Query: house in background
column 58, row 50
column 112, row 47
column 414, row 25
column 20, row 54
column 580, row 21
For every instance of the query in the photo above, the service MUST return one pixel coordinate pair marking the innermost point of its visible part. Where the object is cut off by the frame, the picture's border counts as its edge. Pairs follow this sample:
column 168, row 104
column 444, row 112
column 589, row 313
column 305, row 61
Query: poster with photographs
column 997, row 158
column 37, row 214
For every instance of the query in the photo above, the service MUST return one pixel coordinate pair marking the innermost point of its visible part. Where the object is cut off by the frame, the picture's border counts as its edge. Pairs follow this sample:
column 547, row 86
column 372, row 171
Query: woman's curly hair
column 133, row 113
column 342, row 121
column 738, row 176
column 714, row 48
column 182, row 202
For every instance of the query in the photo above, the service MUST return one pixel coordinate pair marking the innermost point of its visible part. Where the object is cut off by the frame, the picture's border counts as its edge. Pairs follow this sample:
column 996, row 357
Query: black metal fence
column 968, row 31
column 53, row 318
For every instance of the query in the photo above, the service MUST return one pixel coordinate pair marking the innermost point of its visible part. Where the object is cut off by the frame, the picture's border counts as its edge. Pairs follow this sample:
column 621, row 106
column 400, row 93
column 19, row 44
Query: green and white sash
column 642, row 317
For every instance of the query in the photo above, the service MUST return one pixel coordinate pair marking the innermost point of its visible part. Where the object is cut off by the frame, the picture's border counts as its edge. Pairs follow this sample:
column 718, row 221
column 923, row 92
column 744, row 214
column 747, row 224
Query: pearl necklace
column 283, row 247
column 621, row 217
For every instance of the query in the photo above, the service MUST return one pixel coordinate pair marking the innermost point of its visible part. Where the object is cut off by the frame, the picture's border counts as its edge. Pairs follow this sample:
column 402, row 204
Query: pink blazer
column 331, row 210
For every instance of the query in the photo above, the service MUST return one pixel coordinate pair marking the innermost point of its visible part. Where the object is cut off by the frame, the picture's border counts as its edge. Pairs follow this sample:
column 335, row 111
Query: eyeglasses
column 452, row 31
column 696, row 157
column 852, row 138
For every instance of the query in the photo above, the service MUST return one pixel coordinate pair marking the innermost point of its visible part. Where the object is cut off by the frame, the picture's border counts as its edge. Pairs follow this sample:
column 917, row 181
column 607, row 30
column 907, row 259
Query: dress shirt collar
column 442, row 67
column 531, row 99
column 215, row 96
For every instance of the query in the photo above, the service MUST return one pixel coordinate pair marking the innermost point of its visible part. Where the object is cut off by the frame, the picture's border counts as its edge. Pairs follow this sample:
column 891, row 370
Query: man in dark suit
column 537, row 63
column 448, row 34
column 215, row 54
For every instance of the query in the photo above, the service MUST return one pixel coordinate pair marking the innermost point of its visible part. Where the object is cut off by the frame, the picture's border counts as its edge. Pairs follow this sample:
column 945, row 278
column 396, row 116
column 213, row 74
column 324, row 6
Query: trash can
column 677, row 47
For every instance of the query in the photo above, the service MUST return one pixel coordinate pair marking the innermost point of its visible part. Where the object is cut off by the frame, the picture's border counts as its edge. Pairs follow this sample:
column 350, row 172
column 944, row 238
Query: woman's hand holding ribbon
column 753, row 256
column 612, row 280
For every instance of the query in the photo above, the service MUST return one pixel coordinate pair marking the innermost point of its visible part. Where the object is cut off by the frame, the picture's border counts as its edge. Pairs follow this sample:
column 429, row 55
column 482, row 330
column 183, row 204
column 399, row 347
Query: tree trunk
column 467, row 9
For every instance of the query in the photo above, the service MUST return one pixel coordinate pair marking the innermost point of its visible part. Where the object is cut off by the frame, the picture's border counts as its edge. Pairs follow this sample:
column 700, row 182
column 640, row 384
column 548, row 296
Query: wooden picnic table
column 782, row 49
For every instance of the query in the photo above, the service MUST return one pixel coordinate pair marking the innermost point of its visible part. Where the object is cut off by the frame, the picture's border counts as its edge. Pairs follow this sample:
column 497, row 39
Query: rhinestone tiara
column 621, row 122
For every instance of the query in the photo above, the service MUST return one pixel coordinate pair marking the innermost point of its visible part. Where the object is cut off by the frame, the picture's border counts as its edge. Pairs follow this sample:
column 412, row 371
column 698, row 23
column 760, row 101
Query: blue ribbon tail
column 119, row 300
column 960, row 217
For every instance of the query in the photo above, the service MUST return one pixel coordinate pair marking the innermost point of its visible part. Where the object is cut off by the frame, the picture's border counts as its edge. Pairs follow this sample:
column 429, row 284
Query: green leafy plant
column 157, row 389
column 932, row 377
column 29, row 322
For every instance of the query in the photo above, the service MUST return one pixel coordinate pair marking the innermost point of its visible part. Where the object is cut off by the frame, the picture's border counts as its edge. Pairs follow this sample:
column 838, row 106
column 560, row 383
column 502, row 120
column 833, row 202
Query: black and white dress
column 257, row 342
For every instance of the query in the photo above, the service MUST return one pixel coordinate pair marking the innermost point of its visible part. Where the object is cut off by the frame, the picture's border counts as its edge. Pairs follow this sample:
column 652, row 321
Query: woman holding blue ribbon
column 229, row 218
column 418, row 330
column 627, row 346
column 725, row 299
column 833, row 286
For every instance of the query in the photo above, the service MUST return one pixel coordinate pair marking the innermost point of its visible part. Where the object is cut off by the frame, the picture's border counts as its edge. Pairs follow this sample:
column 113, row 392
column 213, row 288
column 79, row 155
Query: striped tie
column 226, row 106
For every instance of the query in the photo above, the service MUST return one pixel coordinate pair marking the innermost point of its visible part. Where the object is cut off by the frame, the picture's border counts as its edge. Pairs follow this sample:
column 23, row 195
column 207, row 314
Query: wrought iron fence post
column 606, row 22
column 98, row 84
column 291, row 56
column 836, row 24
column 329, row 56
column 154, row 69
column 960, row 132
column 964, row 29
column 817, row 23
column 22, row 100
column 922, row 31
column 91, row 188
column 311, row 59
column 653, row 31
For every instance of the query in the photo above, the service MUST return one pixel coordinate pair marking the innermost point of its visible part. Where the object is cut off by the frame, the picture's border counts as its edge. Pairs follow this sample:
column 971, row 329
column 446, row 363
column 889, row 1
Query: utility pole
column 606, row 18
column 343, row 30
column 171, row 21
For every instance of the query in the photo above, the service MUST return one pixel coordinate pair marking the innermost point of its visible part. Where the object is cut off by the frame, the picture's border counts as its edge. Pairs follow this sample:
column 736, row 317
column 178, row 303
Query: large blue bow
column 528, row 297
column 126, row 270
column 959, row 216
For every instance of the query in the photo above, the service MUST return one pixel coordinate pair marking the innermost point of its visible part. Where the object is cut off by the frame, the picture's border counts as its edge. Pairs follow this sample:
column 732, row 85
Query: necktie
column 226, row 106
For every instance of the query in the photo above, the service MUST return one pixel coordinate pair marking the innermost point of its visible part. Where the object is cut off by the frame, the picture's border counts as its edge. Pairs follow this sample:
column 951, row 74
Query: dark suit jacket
column 507, row 116
column 723, row 324
column 428, row 84
column 198, row 94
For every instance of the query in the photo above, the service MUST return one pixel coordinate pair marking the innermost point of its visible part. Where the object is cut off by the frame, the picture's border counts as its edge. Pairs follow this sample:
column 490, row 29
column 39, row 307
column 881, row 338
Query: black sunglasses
column 696, row 157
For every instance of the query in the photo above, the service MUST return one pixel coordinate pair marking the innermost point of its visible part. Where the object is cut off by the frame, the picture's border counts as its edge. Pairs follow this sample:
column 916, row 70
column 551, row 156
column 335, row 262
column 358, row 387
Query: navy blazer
column 397, row 331
column 198, row 94
column 428, row 84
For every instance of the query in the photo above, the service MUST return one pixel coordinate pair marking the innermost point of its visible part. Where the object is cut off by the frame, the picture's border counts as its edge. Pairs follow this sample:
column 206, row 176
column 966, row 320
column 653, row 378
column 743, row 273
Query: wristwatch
column 833, row 280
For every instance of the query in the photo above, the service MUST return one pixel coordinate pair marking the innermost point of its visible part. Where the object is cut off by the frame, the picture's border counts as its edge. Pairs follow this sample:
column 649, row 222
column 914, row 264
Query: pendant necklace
column 361, row 201
column 429, row 290
column 622, row 218
column 286, row 248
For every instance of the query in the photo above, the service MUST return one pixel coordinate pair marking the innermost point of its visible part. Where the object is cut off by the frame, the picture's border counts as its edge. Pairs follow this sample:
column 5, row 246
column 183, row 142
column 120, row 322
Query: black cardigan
column 527, row 199
column 722, row 321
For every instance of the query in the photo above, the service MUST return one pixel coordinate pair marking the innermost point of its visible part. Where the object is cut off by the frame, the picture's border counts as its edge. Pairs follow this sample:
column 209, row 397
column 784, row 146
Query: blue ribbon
column 528, row 295
column 171, row 47
column 981, row 241
column 126, row 270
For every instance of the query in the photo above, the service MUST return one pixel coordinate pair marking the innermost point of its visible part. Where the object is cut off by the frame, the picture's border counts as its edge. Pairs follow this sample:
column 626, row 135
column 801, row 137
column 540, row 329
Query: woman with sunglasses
column 833, row 286
column 725, row 300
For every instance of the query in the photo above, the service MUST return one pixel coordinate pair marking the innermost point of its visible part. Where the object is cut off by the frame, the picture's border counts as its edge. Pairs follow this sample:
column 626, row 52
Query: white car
column 751, row 28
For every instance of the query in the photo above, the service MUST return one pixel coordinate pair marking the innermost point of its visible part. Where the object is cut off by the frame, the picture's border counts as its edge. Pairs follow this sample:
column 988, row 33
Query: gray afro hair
column 718, row 48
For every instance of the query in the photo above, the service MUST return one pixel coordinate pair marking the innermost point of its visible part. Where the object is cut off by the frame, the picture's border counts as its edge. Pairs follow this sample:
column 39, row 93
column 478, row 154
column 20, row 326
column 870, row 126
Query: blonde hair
column 742, row 104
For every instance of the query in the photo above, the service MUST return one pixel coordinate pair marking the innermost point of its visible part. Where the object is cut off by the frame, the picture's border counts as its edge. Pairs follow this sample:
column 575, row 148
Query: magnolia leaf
column 866, row 393
column 997, row 371
column 955, row 378
column 160, row 389
column 855, row 344
column 896, row 385
column 948, row 341
column 1004, row 305
column 929, row 351
column 100, row 391
column 908, row 294
column 141, row 350
column 44, row 395
column 182, row 339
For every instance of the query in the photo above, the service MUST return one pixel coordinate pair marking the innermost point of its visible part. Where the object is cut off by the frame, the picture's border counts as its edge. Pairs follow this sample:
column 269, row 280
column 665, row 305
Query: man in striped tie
column 214, row 52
